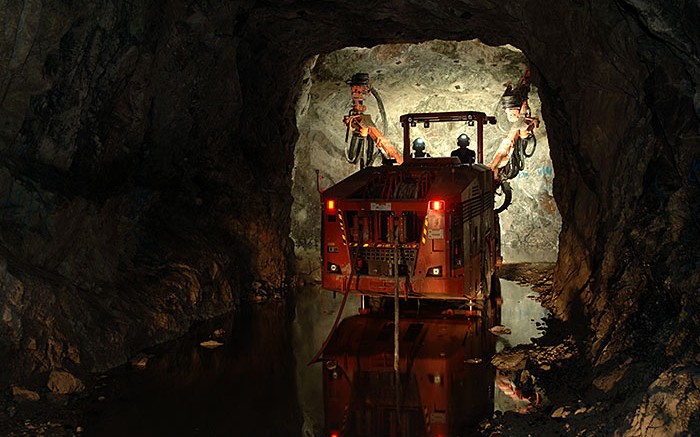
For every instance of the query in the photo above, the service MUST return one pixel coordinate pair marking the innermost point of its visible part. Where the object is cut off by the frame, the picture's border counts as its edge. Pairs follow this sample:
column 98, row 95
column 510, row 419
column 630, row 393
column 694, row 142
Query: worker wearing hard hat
column 419, row 149
column 463, row 152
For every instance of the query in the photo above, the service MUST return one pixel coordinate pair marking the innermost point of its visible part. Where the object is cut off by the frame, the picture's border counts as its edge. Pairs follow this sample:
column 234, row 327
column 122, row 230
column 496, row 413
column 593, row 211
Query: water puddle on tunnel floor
column 257, row 382
column 246, row 387
column 447, row 381
column 525, row 318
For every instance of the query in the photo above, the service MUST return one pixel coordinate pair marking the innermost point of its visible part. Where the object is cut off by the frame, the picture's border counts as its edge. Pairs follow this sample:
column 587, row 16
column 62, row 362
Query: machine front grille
column 379, row 261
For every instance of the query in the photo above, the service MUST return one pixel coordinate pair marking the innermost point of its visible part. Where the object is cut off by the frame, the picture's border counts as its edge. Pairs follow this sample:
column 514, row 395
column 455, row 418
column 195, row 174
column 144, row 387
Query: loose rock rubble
column 62, row 382
column 262, row 293
column 211, row 344
column 581, row 399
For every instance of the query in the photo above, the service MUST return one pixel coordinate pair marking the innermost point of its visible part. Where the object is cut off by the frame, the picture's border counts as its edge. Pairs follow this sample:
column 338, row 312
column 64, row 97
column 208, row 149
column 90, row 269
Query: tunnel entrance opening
column 431, row 76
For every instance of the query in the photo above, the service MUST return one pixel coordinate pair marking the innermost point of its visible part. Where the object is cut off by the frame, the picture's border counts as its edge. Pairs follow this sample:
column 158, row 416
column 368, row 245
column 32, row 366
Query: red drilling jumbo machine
column 426, row 225
column 417, row 228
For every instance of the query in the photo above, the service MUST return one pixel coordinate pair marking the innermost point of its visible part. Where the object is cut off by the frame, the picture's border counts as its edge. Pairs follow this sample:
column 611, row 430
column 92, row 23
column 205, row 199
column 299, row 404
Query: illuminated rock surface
column 428, row 77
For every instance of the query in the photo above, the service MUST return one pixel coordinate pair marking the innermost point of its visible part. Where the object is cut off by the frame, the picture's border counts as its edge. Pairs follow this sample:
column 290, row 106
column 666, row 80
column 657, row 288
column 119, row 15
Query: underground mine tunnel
column 148, row 154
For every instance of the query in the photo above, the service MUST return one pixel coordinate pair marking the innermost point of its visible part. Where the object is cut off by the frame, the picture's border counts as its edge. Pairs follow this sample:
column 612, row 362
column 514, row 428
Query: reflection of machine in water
column 446, row 381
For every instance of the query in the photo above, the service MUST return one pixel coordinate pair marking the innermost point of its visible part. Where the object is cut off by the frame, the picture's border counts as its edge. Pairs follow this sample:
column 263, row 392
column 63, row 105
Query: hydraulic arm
column 511, row 153
column 365, row 134
column 363, row 128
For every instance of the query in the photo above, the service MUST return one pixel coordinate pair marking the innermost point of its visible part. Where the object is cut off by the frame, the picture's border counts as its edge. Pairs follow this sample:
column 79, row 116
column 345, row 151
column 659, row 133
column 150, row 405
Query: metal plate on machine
column 380, row 206
column 436, row 234
column 438, row 417
column 381, row 285
column 380, row 268
column 435, row 221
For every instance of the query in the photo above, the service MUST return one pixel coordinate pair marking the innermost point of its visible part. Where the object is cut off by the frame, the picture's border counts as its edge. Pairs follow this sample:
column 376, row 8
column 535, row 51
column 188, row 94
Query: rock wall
column 153, row 145
column 126, row 214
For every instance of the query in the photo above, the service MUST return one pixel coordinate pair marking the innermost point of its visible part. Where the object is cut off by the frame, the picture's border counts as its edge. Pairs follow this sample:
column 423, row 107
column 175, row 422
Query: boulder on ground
column 63, row 382
column 23, row 394
column 510, row 359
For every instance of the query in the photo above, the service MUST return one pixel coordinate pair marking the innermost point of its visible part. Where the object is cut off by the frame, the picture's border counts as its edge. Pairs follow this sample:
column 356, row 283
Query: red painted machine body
column 427, row 225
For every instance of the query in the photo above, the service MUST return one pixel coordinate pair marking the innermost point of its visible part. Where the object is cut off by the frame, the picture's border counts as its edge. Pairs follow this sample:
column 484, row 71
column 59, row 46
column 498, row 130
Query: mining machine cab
column 426, row 226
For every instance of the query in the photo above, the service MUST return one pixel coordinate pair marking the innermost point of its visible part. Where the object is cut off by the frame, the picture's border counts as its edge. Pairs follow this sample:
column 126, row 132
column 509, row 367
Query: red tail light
column 437, row 205
column 330, row 205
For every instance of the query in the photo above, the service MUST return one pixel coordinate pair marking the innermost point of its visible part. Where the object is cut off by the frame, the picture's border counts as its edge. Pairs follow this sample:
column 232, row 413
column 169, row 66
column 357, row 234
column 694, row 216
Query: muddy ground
column 225, row 377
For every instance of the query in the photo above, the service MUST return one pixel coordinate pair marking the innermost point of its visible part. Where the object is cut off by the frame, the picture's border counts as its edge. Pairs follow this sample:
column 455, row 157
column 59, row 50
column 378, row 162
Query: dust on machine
column 416, row 228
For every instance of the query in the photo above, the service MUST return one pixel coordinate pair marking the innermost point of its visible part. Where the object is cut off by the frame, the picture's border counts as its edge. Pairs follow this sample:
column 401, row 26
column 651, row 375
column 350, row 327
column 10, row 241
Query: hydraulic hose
column 370, row 153
column 385, row 124
column 517, row 158
column 534, row 146
column 508, row 193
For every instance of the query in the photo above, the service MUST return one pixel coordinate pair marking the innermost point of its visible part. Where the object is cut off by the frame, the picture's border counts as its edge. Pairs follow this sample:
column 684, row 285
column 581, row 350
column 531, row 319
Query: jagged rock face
column 147, row 152
column 126, row 215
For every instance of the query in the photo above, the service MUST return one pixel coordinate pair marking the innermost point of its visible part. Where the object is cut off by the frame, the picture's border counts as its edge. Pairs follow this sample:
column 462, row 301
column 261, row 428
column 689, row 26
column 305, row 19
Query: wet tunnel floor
column 259, row 383
column 315, row 313
column 245, row 387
